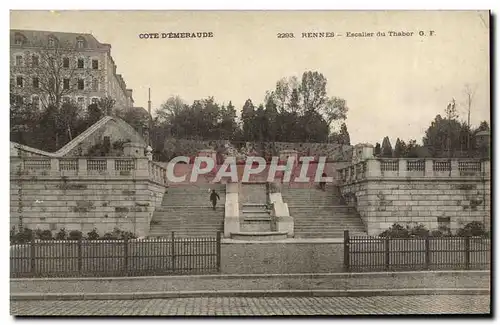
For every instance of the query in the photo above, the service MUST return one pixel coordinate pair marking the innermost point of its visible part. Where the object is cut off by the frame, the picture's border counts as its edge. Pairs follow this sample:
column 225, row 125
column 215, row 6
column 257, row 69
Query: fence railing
column 88, row 258
column 94, row 167
column 429, row 253
column 432, row 168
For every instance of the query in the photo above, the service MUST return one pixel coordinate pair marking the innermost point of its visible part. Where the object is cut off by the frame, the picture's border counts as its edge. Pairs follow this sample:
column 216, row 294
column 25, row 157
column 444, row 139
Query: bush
column 474, row 228
column 396, row 231
column 109, row 236
column 437, row 233
column 419, row 231
column 75, row 235
column 45, row 235
column 62, row 234
column 93, row 235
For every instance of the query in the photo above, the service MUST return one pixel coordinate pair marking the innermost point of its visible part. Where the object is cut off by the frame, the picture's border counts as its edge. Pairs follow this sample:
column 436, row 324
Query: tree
column 399, row 149
column 386, row 148
column 377, row 150
column 344, row 137
column 247, row 119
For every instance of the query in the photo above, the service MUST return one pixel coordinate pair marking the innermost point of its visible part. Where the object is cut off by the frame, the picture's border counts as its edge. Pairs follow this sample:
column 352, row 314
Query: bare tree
column 59, row 70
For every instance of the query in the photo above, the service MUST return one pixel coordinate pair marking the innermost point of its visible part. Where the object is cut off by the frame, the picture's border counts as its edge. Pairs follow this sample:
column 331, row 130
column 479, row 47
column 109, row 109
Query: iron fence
column 93, row 258
column 422, row 253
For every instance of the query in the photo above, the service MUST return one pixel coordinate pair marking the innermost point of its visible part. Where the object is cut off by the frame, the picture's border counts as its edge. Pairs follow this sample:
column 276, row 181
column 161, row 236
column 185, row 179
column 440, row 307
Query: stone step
column 259, row 236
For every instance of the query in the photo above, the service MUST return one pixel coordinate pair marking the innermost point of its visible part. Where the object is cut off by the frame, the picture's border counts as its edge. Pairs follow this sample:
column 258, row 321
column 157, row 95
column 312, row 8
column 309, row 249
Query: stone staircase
column 187, row 210
column 255, row 219
column 321, row 214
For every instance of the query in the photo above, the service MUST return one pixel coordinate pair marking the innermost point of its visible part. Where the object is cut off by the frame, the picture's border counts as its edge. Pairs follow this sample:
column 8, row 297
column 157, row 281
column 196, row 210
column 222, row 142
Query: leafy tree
column 386, row 148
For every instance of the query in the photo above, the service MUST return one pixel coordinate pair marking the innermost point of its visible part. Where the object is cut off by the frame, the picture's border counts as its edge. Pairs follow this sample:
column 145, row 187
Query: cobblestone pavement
column 380, row 305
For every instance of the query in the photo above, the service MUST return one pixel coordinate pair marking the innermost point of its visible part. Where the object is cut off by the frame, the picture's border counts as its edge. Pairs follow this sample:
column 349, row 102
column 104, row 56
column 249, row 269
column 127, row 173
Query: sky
column 393, row 86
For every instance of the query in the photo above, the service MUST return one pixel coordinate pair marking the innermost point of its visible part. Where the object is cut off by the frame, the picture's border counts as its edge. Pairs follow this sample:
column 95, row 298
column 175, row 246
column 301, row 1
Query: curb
column 344, row 275
column 247, row 293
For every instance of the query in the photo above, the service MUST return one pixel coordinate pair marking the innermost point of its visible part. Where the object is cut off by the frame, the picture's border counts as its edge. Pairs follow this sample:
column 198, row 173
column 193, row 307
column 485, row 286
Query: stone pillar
column 232, row 210
column 54, row 166
column 133, row 149
column 142, row 167
column 403, row 167
column 373, row 168
column 454, row 168
column 82, row 167
column 429, row 168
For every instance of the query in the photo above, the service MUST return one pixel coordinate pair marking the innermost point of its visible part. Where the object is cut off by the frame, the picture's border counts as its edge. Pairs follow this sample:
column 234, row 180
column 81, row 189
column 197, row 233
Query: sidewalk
column 278, row 285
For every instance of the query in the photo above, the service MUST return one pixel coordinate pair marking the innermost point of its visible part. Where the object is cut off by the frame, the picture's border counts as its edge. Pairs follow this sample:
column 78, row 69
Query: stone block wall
column 333, row 151
column 84, row 203
column 381, row 203
column 281, row 258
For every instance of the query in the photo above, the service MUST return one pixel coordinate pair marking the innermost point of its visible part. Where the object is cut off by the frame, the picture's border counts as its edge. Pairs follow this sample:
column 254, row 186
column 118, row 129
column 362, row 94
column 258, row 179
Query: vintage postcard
column 250, row 163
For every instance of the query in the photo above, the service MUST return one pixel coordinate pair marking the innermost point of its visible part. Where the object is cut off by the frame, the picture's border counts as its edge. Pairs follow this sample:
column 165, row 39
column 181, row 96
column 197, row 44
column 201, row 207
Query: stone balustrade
column 384, row 168
column 100, row 167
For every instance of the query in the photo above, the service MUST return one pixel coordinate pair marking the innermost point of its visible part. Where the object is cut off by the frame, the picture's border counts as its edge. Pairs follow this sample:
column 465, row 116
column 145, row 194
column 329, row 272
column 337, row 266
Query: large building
column 58, row 66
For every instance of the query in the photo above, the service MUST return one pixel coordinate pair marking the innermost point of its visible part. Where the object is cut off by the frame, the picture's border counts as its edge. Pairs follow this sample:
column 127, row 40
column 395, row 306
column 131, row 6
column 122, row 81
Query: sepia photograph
column 250, row 163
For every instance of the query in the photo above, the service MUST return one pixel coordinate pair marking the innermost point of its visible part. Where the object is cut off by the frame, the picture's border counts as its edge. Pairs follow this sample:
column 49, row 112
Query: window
column 35, row 61
column 35, row 101
column 81, row 84
column 81, row 102
column 19, row 60
column 65, row 62
column 95, row 84
column 95, row 100
column 66, row 84
column 18, row 41
column 80, row 64
column 80, row 44
column 19, row 81
column 19, row 100
column 36, row 82
column 52, row 42
column 95, row 64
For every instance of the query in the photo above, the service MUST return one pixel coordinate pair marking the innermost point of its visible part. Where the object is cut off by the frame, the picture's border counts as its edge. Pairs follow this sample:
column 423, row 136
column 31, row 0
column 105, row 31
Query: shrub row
column 27, row 235
column 474, row 228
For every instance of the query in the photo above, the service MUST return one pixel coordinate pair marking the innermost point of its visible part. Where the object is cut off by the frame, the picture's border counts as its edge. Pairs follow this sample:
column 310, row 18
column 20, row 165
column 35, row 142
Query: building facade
column 58, row 66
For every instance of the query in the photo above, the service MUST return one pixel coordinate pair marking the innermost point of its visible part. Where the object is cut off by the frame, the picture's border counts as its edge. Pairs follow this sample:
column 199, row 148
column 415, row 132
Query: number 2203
column 285, row 35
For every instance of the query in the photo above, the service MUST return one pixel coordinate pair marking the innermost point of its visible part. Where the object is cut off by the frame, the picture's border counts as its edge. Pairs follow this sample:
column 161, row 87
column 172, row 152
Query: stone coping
column 285, row 241
column 267, row 276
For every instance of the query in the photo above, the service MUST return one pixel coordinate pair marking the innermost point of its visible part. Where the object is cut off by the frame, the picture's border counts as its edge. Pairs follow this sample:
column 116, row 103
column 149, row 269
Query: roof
column 483, row 133
column 34, row 37
column 81, row 137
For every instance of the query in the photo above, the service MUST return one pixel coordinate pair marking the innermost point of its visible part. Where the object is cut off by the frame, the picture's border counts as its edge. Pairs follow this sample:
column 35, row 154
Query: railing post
column 467, row 252
column 33, row 257
column 125, row 255
column 347, row 264
column 82, row 167
column 218, row 251
column 427, row 253
column 429, row 168
column 79, row 256
column 172, row 250
column 387, row 253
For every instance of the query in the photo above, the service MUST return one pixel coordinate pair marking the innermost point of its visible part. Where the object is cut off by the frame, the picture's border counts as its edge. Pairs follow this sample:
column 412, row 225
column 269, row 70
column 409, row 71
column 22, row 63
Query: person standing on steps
column 214, row 197
column 322, row 184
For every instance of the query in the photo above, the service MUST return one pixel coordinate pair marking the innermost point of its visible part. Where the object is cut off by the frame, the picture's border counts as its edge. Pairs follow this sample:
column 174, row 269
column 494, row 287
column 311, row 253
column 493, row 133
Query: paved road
column 260, row 306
